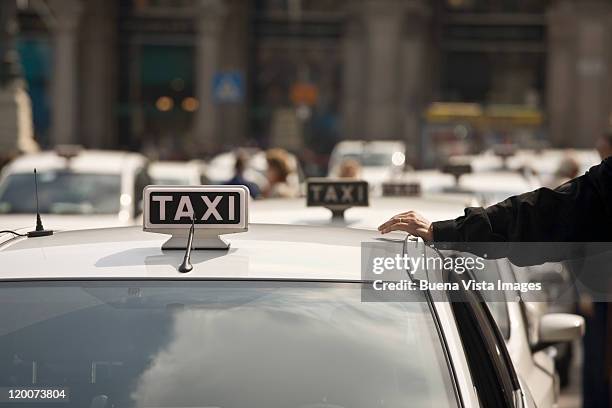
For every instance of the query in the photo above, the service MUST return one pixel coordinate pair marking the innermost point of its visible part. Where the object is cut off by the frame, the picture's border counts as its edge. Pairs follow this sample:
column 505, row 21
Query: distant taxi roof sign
column 215, row 210
column 336, row 194
column 401, row 189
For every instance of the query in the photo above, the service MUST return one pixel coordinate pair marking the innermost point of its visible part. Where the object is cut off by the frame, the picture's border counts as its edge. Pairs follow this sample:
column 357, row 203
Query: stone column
column 353, row 75
column 578, row 70
column 383, row 22
column 560, row 70
column 514, row 78
column 235, row 31
column 97, row 95
column 209, row 26
column 16, row 128
column 64, row 83
column 592, row 64
column 415, row 78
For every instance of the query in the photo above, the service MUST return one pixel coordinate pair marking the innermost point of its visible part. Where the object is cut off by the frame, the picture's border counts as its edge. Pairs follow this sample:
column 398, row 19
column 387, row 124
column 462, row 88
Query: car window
column 490, row 365
column 496, row 301
column 368, row 159
column 61, row 192
column 499, row 311
column 222, row 344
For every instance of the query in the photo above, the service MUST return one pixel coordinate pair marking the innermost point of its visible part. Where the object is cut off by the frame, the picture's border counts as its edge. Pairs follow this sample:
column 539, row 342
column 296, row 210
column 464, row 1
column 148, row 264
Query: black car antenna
column 186, row 266
column 40, row 231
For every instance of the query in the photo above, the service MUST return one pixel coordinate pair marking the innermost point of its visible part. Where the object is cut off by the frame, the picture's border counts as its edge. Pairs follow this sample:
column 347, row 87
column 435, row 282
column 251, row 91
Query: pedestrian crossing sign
column 228, row 87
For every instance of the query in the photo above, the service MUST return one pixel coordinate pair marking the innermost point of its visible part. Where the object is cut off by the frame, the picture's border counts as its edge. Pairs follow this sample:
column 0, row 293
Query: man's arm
column 579, row 210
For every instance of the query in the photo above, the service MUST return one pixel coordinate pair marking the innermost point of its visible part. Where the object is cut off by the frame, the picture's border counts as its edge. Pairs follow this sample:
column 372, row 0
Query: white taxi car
column 547, row 161
column 76, row 189
column 526, row 326
column 178, row 173
column 105, row 318
column 380, row 160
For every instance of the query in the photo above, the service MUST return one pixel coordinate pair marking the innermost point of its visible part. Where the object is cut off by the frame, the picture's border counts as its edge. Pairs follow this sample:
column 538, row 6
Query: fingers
column 400, row 226
column 406, row 217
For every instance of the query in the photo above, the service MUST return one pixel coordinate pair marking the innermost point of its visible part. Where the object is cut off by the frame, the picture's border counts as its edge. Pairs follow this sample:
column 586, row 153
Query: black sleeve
column 577, row 211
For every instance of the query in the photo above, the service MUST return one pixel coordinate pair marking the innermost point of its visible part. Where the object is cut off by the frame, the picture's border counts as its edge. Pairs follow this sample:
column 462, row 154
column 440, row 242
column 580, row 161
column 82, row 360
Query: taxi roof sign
column 214, row 210
column 336, row 194
column 401, row 189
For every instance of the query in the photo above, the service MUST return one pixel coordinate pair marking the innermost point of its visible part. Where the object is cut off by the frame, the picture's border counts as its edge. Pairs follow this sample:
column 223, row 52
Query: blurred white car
column 178, row 173
column 490, row 187
column 486, row 161
column 77, row 189
column 495, row 186
column 546, row 162
column 521, row 321
column 380, row 160
column 559, row 297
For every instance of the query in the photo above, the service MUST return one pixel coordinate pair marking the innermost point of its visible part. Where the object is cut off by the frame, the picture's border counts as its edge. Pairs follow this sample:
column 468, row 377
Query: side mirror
column 559, row 328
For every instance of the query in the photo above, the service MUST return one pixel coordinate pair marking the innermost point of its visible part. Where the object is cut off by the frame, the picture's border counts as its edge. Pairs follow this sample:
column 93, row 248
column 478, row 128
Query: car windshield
column 61, row 192
column 221, row 344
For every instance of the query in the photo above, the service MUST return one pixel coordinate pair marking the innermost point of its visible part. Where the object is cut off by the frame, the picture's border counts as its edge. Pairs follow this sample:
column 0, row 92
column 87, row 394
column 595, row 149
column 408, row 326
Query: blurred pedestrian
column 240, row 166
column 604, row 145
column 278, row 173
column 568, row 169
column 349, row 168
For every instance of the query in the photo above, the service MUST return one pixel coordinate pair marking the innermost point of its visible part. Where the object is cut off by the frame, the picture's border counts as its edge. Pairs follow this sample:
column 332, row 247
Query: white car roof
column 486, row 161
column 264, row 252
column 548, row 161
column 189, row 171
column 99, row 161
column 497, row 181
column 357, row 146
column 434, row 207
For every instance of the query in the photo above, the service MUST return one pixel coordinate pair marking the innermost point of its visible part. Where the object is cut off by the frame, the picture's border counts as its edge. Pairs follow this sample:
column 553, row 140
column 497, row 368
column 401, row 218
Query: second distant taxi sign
column 332, row 193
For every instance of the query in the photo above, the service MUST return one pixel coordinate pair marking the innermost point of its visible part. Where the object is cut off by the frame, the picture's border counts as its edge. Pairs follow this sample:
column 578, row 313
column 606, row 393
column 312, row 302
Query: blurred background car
column 77, row 189
column 177, row 172
column 559, row 296
column 379, row 160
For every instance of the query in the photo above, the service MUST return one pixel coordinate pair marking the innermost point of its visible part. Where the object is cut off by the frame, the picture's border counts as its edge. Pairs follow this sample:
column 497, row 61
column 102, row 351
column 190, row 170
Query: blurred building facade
column 194, row 76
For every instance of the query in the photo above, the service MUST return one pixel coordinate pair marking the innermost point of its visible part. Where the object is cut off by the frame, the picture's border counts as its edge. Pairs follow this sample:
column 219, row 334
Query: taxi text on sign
column 336, row 193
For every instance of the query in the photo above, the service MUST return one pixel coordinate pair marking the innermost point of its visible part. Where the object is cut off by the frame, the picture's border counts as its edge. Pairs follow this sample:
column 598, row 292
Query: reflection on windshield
column 61, row 192
column 220, row 344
